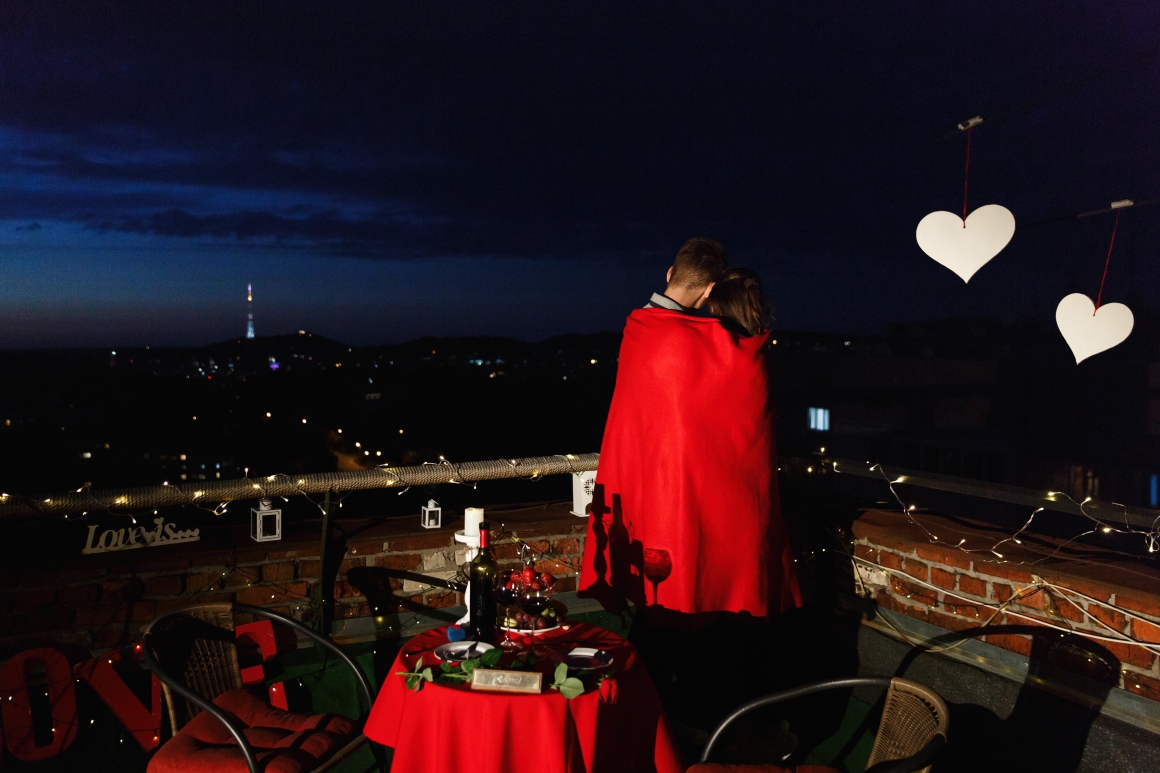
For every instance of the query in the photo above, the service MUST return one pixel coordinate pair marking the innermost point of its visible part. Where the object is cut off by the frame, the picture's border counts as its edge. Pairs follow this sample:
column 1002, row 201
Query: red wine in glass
column 533, row 602
column 506, row 595
column 658, row 565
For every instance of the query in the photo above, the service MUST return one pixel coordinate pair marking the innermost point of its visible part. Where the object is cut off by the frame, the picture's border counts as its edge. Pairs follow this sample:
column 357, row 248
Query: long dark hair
column 738, row 300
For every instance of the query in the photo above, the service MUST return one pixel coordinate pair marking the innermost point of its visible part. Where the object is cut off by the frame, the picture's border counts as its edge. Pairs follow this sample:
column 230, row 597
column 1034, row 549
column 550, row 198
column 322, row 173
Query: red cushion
column 284, row 742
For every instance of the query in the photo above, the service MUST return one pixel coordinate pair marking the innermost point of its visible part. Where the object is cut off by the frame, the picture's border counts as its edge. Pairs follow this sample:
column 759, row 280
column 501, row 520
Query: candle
column 472, row 517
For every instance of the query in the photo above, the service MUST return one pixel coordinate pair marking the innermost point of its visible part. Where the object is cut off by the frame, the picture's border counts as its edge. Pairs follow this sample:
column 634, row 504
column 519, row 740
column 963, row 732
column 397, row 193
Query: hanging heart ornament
column 1090, row 331
column 965, row 250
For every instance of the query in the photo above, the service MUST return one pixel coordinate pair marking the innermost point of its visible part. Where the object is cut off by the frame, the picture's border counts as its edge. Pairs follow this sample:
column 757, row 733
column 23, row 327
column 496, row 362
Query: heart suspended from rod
column 965, row 246
column 1088, row 330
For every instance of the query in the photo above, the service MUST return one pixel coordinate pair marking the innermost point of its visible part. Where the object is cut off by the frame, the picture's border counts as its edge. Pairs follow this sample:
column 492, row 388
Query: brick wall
column 967, row 587
column 102, row 601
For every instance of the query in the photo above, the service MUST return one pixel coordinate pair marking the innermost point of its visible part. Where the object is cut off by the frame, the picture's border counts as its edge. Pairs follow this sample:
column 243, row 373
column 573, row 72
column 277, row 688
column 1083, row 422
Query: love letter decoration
column 965, row 246
column 1088, row 330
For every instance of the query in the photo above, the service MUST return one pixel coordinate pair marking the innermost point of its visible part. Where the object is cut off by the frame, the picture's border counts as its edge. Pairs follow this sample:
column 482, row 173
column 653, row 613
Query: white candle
column 472, row 517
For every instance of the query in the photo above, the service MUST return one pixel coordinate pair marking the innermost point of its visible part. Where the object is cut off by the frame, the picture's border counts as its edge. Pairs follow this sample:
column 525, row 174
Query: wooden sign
column 498, row 680
column 137, row 537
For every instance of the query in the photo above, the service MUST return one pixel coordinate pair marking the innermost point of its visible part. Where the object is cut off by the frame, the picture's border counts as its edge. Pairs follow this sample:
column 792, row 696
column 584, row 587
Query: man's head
column 698, row 266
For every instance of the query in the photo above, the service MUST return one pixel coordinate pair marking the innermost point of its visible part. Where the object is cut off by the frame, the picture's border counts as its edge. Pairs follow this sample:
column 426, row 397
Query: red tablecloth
column 620, row 727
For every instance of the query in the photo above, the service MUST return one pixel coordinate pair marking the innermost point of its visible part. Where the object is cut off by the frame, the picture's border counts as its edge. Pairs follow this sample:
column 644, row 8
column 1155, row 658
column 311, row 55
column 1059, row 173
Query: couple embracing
column 685, row 518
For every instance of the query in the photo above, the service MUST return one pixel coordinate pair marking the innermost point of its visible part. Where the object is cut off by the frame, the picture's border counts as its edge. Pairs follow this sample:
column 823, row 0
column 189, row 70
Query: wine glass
column 506, row 595
column 658, row 565
column 533, row 599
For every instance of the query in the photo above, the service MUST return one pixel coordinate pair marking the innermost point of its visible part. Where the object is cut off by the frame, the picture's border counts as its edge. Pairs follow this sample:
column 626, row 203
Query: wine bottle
column 482, row 572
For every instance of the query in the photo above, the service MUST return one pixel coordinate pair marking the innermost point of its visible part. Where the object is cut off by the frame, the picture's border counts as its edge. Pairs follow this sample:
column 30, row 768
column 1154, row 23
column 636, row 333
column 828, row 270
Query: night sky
column 385, row 171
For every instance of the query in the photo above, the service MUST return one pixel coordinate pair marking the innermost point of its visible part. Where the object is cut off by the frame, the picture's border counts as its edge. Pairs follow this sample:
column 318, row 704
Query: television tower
column 250, row 311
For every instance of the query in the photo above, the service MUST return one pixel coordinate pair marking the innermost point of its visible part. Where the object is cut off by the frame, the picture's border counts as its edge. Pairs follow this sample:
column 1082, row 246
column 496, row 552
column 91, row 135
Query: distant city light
column 340, row 432
column 592, row 362
column 378, row 453
column 195, row 418
column 358, row 445
column 820, row 419
column 267, row 414
column 304, row 421
column 400, row 432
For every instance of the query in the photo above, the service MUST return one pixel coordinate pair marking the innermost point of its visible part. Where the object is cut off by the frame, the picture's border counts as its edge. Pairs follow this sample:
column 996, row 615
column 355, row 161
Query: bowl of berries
column 529, row 607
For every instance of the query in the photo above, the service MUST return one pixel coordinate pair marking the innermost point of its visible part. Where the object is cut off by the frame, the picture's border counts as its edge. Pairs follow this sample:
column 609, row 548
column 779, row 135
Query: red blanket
column 688, row 466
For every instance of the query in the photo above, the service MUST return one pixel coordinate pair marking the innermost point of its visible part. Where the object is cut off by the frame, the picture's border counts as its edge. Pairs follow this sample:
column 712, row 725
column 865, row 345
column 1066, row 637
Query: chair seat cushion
column 284, row 742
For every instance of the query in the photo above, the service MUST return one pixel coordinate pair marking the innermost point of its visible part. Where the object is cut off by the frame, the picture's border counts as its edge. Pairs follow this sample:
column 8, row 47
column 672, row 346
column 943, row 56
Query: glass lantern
column 265, row 523
column 583, row 484
column 431, row 516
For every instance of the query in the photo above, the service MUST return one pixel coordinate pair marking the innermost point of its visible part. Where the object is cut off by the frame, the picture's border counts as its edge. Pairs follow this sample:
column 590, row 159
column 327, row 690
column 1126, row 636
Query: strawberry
column 547, row 579
column 528, row 575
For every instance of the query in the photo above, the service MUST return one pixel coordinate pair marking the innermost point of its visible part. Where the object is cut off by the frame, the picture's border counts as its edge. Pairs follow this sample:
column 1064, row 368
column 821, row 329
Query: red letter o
column 16, row 710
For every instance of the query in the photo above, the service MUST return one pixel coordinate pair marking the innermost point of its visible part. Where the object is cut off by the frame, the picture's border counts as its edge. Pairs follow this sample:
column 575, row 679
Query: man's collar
column 661, row 301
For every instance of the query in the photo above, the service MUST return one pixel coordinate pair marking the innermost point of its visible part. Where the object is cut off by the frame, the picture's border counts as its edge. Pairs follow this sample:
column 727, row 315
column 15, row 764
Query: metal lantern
column 265, row 523
column 431, row 516
column 583, row 484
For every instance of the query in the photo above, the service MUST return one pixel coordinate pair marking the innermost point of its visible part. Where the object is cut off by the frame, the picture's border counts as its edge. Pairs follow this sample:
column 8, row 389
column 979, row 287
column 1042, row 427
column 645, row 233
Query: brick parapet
column 971, row 587
column 105, row 601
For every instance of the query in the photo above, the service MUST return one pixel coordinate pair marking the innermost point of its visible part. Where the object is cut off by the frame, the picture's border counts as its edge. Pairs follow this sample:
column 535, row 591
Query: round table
column 619, row 726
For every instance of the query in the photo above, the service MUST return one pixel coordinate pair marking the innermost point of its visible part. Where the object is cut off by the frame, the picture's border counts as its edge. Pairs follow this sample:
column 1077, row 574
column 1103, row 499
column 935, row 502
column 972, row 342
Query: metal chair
column 194, row 654
column 912, row 732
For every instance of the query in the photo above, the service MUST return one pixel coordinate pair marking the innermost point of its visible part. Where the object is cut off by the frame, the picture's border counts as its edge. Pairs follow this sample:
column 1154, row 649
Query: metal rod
column 209, row 494
column 1110, row 512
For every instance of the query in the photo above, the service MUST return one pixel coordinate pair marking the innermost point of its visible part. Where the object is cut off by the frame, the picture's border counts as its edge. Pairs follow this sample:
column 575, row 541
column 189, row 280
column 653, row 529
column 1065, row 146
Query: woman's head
column 738, row 300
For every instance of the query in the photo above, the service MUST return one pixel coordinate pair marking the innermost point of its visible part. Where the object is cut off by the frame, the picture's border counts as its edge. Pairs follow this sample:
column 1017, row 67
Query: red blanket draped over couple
column 685, row 512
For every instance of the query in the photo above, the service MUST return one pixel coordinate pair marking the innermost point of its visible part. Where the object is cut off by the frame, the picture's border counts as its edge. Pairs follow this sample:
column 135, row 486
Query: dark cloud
column 416, row 130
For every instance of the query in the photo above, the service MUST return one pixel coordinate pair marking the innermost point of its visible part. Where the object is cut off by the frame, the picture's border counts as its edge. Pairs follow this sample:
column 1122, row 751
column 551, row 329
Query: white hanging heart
column 965, row 248
column 1090, row 331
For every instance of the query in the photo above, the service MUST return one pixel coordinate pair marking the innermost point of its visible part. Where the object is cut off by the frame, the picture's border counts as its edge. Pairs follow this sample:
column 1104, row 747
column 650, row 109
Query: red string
column 966, row 175
column 1106, row 262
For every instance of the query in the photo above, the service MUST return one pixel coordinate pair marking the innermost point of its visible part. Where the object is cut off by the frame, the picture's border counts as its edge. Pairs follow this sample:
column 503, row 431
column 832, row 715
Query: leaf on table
column 446, row 667
column 571, row 687
column 491, row 657
column 517, row 665
column 530, row 658
column 561, row 674
column 428, row 675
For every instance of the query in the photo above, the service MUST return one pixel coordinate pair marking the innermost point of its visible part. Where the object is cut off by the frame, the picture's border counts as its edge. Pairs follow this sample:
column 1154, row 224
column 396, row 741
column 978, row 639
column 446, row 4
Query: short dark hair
column 698, row 262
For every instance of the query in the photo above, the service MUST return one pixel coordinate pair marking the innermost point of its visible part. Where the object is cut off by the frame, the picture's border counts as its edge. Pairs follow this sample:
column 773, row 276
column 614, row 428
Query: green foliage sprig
column 458, row 673
column 569, row 686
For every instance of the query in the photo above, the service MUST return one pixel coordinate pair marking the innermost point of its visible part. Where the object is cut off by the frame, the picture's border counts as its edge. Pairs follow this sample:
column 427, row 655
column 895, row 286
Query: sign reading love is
column 137, row 537
column 965, row 246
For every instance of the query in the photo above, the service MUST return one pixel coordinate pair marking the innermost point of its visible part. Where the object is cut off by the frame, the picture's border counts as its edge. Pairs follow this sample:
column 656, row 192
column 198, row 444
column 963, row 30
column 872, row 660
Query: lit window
column 1154, row 494
column 820, row 419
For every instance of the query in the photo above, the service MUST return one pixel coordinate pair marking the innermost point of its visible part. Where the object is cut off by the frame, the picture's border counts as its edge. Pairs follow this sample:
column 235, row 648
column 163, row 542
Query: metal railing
column 208, row 494
column 1057, row 501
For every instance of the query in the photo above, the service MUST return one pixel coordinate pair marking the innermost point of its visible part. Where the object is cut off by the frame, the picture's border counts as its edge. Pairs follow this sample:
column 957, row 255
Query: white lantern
column 265, row 523
column 431, row 516
column 583, row 484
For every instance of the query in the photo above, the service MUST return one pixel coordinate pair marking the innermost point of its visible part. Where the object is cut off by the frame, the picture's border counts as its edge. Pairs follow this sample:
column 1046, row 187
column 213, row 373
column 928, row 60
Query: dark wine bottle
column 483, row 572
